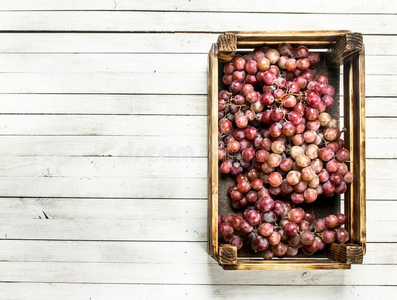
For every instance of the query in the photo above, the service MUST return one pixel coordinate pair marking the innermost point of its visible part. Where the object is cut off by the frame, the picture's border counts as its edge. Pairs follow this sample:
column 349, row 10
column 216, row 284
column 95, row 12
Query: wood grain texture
column 310, row 6
column 187, row 21
column 75, row 291
column 188, row 274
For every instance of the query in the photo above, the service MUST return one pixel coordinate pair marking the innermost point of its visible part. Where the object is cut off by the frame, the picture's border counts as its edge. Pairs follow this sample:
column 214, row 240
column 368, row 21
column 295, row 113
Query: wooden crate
column 342, row 48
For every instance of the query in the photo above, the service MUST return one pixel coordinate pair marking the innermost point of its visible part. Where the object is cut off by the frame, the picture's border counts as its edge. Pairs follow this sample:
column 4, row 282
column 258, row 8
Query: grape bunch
column 276, row 136
column 278, row 229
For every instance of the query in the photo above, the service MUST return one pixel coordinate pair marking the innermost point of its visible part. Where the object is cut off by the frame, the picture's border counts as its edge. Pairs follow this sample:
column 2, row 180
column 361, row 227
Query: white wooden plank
column 126, row 83
column 138, row 125
column 120, row 146
column 143, row 252
column 188, row 274
column 102, row 209
column 75, row 291
column 381, row 107
column 103, row 125
column 112, row 187
column 141, row 42
column 310, row 6
column 106, row 230
column 381, row 253
column 121, row 43
column 109, row 167
column 108, row 251
column 137, row 64
column 141, row 83
column 148, row 220
column 108, row 104
column 132, row 167
column 139, row 104
column 138, row 146
column 187, row 21
column 137, row 220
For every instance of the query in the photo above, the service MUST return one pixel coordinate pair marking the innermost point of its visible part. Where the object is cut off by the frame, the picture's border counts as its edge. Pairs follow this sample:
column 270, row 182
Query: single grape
column 307, row 238
column 275, row 179
column 275, row 130
column 251, row 196
column 279, row 208
column 348, row 178
column 236, row 241
column 253, row 217
column 273, row 55
column 278, row 147
column 316, row 164
column 245, row 227
column 332, row 166
column 274, row 160
column 236, row 195
column 286, row 188
column 310, row 195
column 328, row 236
column 313, row 247
column 307, row 173
column 261, row 243
column 280, row 249
column 284, row 49
column 341, row 188
column 293, row 177
column 225, row 230
column 341, row 219
column 304, row 225
column 256, row 184
column 291, row 228
column 331, row 221
column 303, row 161
column 238, row 63
column 265, row 229
column 290, row 64
column 314, row 57
column 309, row 216
column 251, row 133
column 226, row 167
column 226, row 126
column 262, row 155
column 342, row 236
column 269, row 217
column 325, row 154
column 267, row 254
column 319, row 225
column 244, row 186
column 274, row 238
column 336, row 179
column 241, row 177
column 328, row 187
column 297, row 198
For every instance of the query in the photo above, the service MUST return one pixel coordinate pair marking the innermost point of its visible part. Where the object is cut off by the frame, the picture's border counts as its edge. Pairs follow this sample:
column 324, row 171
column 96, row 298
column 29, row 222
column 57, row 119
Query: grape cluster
column 275, row 134
column 280, row 230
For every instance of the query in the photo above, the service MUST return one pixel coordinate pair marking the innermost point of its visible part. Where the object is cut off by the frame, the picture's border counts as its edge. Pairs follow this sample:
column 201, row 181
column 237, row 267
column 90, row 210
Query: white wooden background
column 103, row 149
